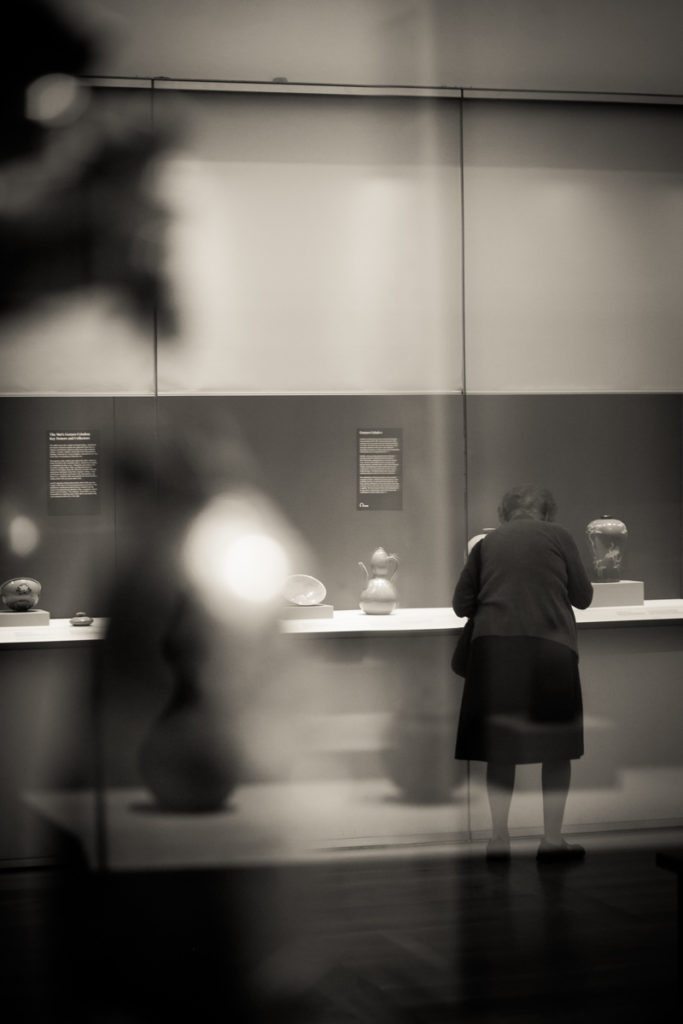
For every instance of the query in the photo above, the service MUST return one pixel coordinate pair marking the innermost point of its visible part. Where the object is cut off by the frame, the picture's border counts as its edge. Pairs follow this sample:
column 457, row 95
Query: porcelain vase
column 379, row 596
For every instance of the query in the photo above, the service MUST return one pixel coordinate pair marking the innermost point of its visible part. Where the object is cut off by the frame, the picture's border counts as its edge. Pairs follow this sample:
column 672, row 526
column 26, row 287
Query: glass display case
column 496, row 283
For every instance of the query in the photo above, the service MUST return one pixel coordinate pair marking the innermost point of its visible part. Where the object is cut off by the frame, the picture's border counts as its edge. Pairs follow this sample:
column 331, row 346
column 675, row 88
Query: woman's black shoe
column 553, row 852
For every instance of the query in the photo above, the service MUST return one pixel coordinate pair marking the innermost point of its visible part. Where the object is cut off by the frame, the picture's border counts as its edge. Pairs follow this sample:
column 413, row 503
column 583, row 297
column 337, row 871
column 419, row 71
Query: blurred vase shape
column 188, row 758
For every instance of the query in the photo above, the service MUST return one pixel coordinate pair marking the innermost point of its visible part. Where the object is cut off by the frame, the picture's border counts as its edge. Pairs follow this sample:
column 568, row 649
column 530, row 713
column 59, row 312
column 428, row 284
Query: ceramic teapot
column 379, row 596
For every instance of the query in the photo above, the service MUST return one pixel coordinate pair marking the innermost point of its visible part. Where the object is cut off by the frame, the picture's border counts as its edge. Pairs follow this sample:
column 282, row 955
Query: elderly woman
column 522, row 696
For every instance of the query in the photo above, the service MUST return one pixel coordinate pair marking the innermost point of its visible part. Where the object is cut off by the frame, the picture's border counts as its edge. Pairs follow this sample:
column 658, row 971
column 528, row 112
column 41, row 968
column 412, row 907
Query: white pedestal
column 616, row 595
column 33, row 617
column 307, row 611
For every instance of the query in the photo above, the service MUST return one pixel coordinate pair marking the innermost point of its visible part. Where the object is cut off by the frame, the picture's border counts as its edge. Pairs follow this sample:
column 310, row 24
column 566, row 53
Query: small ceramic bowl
column 81, row 619
column 304, row 590
column 21, row 594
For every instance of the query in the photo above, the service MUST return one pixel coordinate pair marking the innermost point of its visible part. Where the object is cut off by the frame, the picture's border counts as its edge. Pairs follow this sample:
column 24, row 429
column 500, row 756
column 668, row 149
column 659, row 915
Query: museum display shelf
column 353, row 622
column 443, row 620
column 57, row 633
column 374, row 704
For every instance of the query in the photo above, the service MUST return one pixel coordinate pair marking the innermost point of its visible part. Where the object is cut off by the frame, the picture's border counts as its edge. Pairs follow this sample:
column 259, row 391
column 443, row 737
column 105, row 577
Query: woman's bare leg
column 555, row 779
column 500, row 781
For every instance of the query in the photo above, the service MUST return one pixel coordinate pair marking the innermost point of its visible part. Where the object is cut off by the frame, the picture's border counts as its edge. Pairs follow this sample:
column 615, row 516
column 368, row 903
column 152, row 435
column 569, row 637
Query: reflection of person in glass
column 522, row 696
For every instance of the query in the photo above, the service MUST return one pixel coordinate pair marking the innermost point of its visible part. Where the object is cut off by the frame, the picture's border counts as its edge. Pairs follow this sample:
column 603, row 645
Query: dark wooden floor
column 416, row 939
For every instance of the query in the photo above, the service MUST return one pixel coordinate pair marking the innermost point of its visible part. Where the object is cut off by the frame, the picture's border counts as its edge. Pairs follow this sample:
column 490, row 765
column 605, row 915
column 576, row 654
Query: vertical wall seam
column 463, row 318
column 155, row 329
column 463, row 348
column 155, row 311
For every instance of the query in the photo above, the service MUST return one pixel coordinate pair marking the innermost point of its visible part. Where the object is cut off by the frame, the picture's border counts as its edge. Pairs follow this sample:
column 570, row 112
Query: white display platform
column 24, row 620
column 618, row 595
column 357, row 623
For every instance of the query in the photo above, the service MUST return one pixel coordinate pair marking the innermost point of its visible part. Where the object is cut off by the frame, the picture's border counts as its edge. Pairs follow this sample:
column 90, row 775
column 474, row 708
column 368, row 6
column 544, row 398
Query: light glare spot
column 254, row 567
column 54, row 99
column 237, row 557
column 24, row 535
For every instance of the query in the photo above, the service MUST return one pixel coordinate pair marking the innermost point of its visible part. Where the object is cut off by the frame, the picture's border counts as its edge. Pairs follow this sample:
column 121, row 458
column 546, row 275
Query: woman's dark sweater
column 531, row 575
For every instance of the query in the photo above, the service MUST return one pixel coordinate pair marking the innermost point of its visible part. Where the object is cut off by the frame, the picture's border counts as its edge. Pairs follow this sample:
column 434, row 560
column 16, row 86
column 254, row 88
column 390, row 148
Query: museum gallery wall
column 498, row 280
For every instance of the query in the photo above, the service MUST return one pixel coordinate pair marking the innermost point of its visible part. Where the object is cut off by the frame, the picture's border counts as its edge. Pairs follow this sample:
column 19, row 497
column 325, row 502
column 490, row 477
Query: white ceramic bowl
column 304, row 590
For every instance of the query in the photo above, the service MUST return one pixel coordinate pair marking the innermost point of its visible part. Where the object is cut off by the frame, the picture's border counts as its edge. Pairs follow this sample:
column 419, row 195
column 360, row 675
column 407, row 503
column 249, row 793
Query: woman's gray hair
column 526, row 502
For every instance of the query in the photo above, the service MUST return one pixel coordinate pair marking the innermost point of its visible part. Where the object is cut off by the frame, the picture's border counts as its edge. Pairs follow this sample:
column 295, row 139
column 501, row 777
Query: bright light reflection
column 254, row 567
column 23, row 535
column 236, row 553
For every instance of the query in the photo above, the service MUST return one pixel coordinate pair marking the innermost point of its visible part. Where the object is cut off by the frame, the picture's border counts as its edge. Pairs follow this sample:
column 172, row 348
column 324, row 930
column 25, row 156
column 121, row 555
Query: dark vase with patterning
column 607, row 539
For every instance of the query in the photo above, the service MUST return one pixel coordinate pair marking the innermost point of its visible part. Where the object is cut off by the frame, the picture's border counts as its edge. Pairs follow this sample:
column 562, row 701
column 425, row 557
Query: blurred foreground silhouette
column 193, row 597
column 76, row 207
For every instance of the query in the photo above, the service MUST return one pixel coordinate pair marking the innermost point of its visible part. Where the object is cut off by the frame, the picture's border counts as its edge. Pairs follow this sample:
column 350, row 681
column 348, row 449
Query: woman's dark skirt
column 521, row 702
